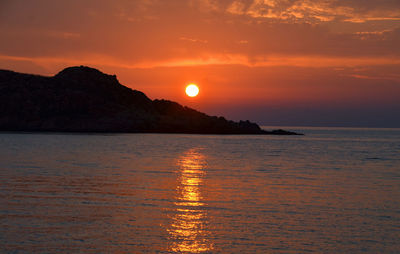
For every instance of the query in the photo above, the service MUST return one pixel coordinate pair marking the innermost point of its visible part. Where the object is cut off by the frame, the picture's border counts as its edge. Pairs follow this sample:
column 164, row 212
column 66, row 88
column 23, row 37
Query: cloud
column 144, row 31
column 151, row 33
column 227, row 59
column 64, row 35
column 286, row 51
column 369, row 77
column 193, row 40
column 315, row 11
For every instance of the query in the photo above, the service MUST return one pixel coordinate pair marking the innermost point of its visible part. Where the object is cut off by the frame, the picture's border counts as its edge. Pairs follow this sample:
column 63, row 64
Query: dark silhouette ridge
column 83, row 99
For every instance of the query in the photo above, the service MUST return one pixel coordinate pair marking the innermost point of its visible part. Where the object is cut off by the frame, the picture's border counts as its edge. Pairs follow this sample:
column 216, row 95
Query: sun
column 192, row 90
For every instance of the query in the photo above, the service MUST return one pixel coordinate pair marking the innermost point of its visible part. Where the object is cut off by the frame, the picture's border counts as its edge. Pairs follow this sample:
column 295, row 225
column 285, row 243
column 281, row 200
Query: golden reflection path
column 188, row 230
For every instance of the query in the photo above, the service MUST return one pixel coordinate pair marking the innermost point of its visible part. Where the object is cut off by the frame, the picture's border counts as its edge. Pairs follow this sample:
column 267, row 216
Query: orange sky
column 286, row 62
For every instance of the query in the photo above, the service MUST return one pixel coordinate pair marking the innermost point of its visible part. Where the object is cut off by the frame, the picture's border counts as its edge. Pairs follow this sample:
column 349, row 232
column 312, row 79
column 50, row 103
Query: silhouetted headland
column 83, row 99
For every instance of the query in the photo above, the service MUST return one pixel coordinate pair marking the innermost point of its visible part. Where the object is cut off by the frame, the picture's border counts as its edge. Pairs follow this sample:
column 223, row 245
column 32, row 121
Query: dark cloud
column 152, row 30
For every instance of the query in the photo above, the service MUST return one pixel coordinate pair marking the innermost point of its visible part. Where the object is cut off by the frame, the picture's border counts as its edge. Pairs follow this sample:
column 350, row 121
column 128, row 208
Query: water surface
column 333, row 190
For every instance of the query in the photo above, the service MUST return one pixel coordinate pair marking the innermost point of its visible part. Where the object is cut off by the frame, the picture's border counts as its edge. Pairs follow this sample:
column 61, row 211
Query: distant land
column 83, row 99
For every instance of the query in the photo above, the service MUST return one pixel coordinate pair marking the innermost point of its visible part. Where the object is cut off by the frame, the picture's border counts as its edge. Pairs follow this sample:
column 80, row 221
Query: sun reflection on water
column 188, row 230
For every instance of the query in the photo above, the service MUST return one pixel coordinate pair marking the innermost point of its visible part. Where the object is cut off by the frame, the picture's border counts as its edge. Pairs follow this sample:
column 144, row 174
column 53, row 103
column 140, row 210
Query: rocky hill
column 83, row 99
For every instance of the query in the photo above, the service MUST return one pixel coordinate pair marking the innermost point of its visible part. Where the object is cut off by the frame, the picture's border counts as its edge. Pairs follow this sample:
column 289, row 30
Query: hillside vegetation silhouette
column 83, row 99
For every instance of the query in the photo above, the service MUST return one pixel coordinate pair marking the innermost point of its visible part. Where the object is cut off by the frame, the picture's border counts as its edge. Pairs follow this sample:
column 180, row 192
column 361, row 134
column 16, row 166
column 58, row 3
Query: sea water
column 334, row 190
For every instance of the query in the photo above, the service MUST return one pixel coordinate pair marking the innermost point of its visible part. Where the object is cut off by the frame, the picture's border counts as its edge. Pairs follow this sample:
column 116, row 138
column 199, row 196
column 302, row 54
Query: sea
column 333, row 190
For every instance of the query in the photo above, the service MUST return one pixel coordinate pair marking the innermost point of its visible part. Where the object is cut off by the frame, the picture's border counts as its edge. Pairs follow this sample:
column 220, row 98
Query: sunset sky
column 276, row 62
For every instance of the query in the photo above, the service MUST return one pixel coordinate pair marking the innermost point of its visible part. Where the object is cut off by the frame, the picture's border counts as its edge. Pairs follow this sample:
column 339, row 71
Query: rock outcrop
column 83, row 99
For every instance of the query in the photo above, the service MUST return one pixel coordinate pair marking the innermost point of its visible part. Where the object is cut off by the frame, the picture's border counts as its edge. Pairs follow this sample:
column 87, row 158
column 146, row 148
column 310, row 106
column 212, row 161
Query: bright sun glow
column 192, row 90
